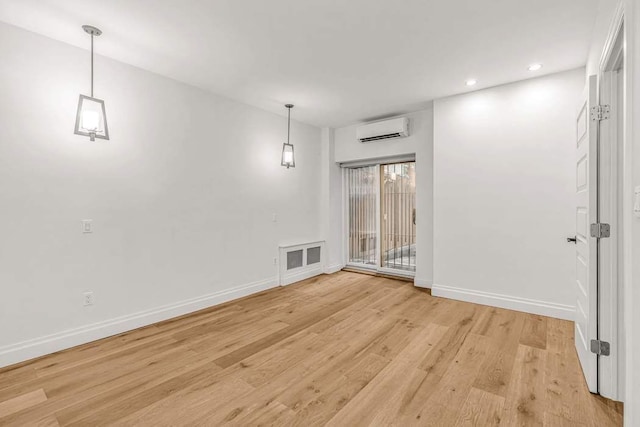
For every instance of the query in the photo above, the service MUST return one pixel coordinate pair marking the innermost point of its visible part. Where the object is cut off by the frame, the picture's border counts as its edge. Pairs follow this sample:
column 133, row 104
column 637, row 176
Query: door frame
column 381, row 269
column 611, row 262
column 587, row 188
column 345, row 217
column 378, row 162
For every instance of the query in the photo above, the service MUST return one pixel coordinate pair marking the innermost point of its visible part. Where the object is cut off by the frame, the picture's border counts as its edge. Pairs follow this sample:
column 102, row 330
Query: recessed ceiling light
column 471, row 82
column 535, row 67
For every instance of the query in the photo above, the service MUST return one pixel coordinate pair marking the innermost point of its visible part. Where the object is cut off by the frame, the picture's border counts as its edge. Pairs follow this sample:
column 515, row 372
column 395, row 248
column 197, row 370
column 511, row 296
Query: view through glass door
column 398, row 216
column 363, row 235
column 381, row 216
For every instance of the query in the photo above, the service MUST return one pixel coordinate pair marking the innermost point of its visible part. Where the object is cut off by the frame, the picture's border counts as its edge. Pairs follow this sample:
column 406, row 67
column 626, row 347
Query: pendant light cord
column 92, row 65
column 289, row 125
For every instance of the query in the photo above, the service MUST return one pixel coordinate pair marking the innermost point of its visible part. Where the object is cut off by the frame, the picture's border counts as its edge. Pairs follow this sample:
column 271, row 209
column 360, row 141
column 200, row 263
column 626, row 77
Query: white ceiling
column 339, row 61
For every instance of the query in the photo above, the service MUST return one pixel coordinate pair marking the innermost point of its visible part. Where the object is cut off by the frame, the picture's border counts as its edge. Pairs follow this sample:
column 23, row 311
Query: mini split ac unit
column 387, row 129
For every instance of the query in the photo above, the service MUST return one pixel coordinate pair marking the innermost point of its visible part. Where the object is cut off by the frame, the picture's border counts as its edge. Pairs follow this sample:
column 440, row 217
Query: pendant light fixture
column 287, row 148
column 91, row 118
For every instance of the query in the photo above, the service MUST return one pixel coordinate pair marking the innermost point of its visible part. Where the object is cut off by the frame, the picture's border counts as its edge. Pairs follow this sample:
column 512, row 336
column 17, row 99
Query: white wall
column 504, row 194
column 331, row 204
column 350, row 149
column 420, row 143
column 181, row 198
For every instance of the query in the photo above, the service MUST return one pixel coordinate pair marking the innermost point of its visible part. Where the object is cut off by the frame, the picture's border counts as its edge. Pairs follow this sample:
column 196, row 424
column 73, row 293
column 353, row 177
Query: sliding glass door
column 363, row 229
column 381, row 217
column 398, row 214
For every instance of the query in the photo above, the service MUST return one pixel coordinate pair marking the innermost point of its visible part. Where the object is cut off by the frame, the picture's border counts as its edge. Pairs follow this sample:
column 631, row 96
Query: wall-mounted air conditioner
column 387, row 129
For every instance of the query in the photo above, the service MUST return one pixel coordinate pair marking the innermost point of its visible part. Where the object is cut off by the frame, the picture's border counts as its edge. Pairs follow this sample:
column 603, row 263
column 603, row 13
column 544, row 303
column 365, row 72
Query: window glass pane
column 397, row 211
column 361, row 188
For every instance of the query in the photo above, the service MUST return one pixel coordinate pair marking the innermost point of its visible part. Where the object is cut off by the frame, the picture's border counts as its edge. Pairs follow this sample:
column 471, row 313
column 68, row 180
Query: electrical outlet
column 274, row 217
column 88, row 298
column 275, row 261
column 87, row 226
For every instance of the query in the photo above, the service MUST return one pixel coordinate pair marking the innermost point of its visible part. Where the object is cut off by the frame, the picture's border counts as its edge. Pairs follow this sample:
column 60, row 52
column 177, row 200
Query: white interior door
column 586, row 246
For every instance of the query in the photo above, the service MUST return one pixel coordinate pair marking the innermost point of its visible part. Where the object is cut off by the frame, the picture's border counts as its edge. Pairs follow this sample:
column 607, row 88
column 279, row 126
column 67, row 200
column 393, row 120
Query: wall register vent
column 301, row 261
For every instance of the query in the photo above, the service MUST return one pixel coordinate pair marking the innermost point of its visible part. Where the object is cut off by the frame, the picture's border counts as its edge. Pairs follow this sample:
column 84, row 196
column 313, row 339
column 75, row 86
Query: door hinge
column 600, row 112
column 601, row 348
column 600, row 230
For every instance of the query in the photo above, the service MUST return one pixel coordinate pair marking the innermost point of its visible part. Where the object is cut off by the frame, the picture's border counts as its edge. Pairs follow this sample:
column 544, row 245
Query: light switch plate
column 87, row 226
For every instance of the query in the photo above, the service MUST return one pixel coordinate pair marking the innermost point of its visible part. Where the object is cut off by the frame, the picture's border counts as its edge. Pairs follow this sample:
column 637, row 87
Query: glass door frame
column 390, row 270
column 346, row 217
column 346, row 225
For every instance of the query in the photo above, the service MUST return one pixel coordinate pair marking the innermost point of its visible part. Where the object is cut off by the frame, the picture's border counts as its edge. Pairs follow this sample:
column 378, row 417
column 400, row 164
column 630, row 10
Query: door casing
column 611, row 90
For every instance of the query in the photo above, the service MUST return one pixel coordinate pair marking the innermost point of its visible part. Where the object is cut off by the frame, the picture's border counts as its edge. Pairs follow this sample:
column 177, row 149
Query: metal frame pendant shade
column 288, row 158
column 91, row 117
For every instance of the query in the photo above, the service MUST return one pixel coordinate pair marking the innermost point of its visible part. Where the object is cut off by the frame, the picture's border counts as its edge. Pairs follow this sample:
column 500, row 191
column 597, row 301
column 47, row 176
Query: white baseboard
column 301, row 274
column 37, row 347
column 422, row 283
column 559, row 311
column 330, row 269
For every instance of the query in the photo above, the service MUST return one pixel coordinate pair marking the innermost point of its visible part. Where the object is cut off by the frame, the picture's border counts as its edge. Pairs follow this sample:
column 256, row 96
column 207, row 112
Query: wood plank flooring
column 340, row 350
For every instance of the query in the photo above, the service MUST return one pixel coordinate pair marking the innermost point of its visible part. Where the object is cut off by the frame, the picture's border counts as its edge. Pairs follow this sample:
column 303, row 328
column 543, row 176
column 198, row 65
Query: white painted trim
column 25, row 350
column 422, row 283
column 333, row 268
column 631, row 245
column 612, row 35
column 611, row 158
column 301, row 245
column 526, row 305
column 300, row 274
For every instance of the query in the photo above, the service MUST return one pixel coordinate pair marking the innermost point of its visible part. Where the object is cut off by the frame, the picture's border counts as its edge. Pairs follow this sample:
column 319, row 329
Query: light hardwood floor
column 343, row 350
